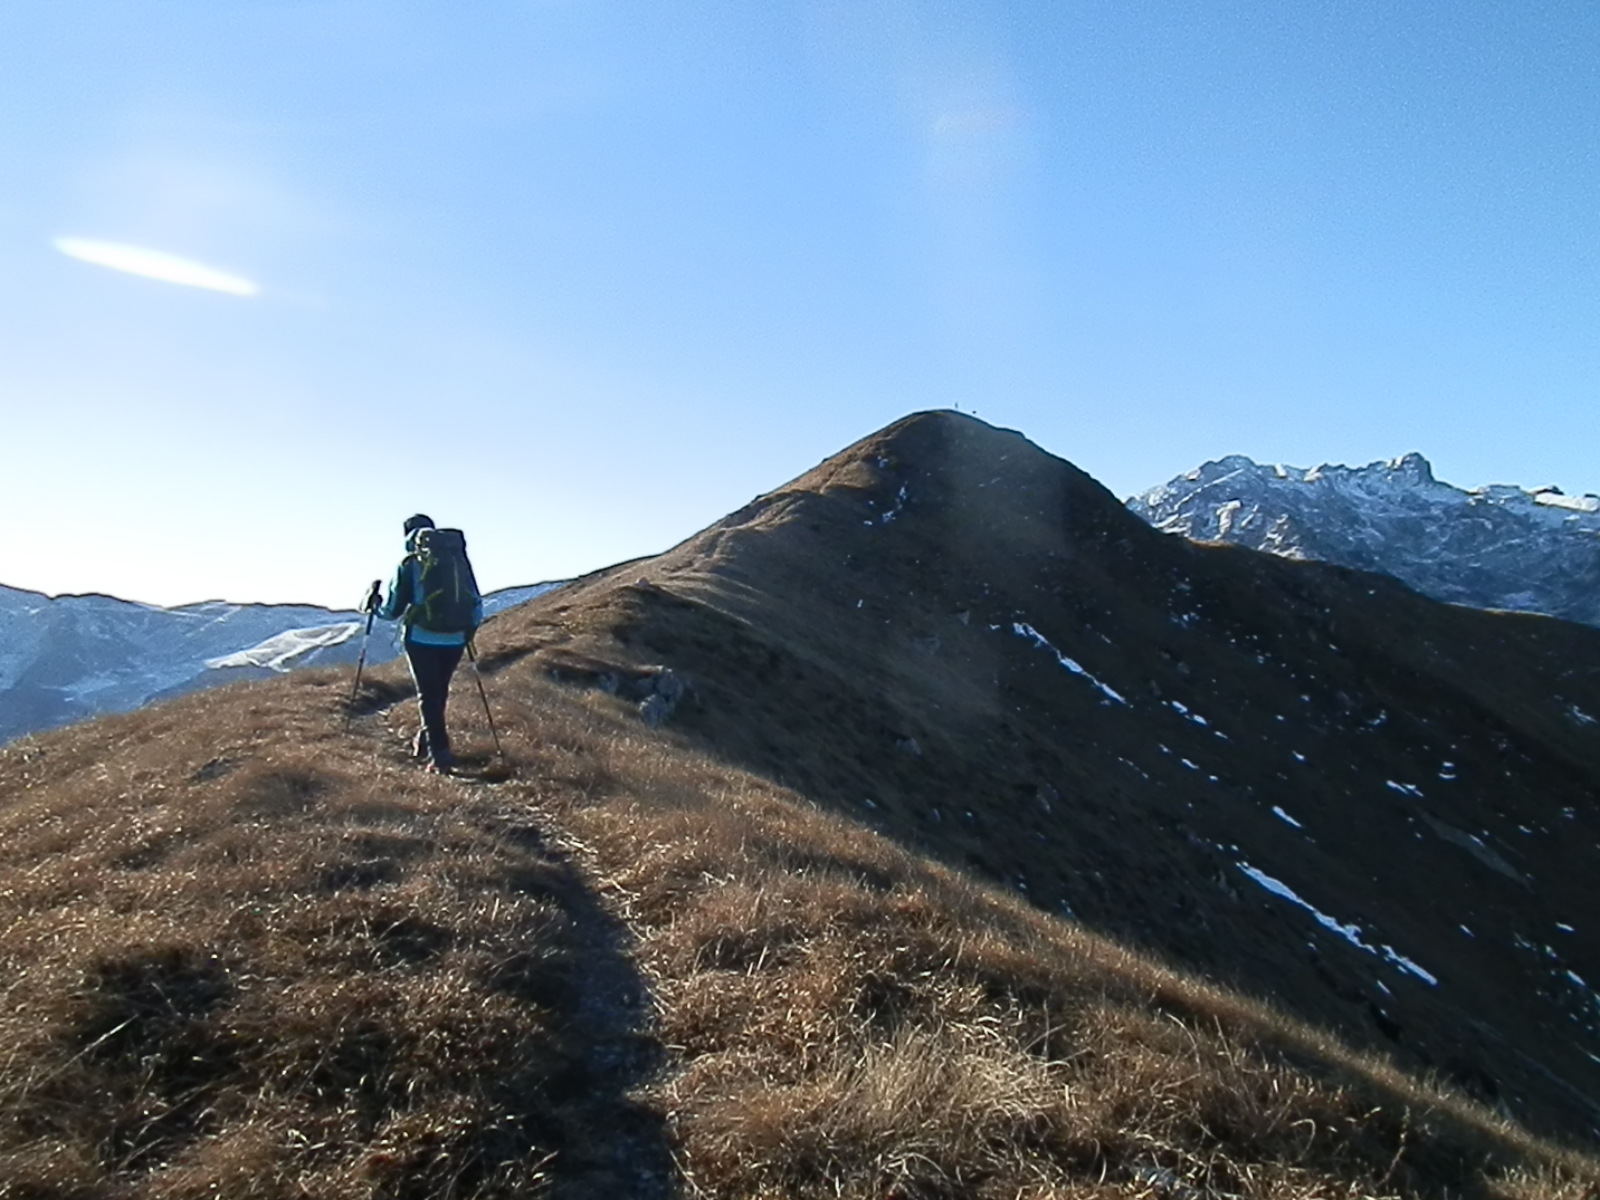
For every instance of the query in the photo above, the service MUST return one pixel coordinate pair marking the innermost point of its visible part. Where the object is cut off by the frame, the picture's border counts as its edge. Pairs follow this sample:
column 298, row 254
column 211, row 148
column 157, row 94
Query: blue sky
column 582, row 276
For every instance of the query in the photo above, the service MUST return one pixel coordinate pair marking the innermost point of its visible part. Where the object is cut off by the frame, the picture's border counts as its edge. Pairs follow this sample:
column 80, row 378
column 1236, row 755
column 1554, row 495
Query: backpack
column 447, row 594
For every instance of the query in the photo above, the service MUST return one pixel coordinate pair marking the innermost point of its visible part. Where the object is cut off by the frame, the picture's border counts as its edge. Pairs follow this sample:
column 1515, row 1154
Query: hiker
column 435, row 597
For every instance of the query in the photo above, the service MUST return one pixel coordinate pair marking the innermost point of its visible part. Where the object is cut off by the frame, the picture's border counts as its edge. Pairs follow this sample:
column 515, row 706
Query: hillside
column 1498, row 546
column 960, row 640
column 844, row 851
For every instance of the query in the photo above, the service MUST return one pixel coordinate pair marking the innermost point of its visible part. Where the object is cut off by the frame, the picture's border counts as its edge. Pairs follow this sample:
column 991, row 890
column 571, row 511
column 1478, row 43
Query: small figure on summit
column 435, row 597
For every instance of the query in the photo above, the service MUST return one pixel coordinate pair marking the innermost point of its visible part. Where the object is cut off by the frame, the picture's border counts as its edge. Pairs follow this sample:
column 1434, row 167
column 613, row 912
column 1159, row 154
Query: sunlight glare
column 153, row 264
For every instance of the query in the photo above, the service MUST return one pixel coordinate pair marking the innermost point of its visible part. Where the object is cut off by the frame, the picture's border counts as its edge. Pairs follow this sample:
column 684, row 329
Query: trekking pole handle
column 370, row 607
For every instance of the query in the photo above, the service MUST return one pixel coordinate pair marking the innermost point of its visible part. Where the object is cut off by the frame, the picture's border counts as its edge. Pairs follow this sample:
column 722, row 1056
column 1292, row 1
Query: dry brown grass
column 242, row 955
column 281, row 964
column 850, row 1020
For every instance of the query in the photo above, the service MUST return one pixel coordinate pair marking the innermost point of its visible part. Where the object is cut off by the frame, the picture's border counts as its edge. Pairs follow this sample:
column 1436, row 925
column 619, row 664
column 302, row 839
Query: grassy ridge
column 245, row 954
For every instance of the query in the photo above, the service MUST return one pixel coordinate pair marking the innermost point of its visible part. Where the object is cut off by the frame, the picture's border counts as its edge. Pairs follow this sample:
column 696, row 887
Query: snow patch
column 1350, row 933
column 1023, row 630
column 83, row 689
column 899, row 503
column 288, row 649
column 1554, row 499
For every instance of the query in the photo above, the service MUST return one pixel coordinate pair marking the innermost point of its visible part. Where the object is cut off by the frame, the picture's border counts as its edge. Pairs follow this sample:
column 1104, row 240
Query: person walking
column 435, row 598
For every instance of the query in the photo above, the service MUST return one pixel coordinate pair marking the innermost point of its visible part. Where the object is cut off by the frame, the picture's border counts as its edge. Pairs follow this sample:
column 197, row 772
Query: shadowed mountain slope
column 1312, row 782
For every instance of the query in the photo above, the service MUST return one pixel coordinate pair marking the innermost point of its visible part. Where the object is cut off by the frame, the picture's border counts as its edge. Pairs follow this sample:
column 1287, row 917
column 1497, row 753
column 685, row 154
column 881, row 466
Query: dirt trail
column 611, row 1017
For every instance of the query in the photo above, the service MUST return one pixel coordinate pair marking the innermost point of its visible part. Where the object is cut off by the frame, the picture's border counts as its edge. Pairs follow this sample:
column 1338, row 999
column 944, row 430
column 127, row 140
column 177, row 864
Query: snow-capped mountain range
column 1498, row 546
column 65, row 658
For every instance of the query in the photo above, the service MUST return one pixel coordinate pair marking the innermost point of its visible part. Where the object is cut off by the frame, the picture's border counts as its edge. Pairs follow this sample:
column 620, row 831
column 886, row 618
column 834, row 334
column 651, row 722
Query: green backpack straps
column 447, row 599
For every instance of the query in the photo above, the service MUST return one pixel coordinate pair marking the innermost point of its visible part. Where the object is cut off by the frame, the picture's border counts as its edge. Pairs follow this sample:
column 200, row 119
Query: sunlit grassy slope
column 246, row 954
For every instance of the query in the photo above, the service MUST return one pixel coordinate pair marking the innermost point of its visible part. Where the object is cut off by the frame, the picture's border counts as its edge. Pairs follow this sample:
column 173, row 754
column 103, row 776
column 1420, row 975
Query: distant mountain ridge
column 1498, row 546
column 65, row 658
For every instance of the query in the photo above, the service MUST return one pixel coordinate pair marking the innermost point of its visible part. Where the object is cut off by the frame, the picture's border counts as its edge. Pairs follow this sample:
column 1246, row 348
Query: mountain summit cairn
column 983, row 841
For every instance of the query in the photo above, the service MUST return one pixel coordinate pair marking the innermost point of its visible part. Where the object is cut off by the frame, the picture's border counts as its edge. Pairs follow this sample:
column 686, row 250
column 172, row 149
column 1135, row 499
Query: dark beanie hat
column 420, row 521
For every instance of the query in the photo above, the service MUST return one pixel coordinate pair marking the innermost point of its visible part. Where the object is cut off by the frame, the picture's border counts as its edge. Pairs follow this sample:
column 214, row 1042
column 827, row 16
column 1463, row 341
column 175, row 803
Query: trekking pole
column 472, row 657
column 370, row 607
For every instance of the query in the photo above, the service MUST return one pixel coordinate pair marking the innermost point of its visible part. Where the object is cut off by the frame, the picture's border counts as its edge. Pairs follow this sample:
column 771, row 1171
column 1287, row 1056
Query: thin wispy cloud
column 154, row 264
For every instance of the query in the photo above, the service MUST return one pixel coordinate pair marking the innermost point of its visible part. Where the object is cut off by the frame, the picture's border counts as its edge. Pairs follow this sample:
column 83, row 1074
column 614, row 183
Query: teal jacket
column 404, row 591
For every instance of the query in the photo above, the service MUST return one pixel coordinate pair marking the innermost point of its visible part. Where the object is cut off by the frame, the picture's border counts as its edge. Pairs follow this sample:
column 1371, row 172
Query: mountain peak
column 1498, row 546
column 1412, row 467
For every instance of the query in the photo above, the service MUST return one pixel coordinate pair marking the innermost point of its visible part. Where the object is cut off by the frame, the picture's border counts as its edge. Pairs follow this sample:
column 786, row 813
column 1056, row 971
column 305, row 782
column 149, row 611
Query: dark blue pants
column 431, row 668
